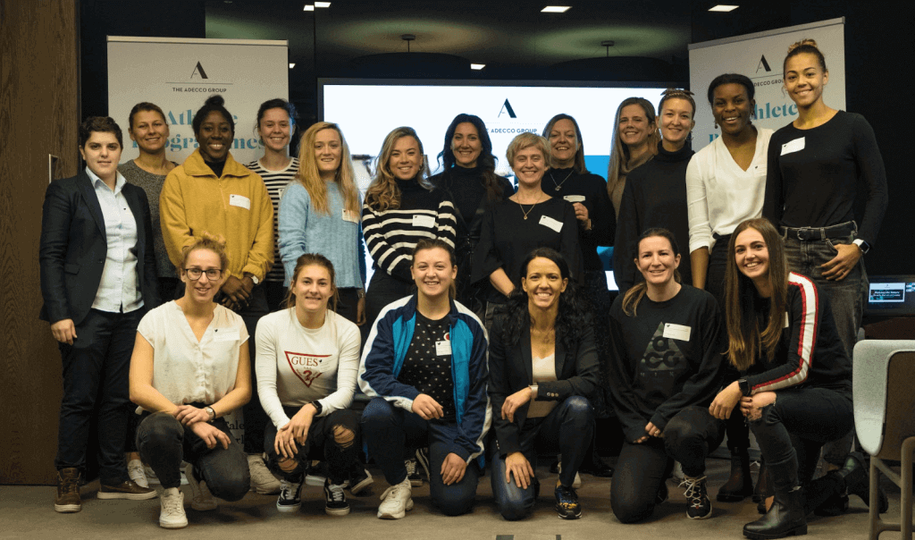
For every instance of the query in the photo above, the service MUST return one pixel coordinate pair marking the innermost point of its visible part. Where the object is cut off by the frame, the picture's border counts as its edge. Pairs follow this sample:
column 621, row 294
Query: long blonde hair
column 619, row 152
column 745, row 340
column 383, row 193
column 310, row 178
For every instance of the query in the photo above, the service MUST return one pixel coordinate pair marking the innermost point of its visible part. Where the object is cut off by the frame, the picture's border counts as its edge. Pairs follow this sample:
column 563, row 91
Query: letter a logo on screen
column 198, row 70
column 763, row 64
column 507, row 108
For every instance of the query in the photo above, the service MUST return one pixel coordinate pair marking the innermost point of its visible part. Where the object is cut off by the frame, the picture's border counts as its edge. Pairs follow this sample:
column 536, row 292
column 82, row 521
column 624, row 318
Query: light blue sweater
column 303, row 229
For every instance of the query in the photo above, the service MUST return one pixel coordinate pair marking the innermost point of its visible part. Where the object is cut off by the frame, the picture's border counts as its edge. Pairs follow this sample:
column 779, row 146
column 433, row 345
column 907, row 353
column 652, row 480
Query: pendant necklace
column 527, row 213
column 559, row 185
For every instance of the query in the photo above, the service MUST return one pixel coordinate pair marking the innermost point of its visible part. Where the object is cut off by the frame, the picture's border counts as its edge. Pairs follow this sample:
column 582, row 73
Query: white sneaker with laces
column 396, row 500
column 262, row 480
column 137, row 473
column 201, row 498
column 172, row 515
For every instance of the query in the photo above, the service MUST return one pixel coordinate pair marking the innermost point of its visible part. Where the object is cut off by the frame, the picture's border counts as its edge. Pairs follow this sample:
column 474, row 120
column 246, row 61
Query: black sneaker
column 290, row 499
column 359, row 479
column 335, row 499
column 413, row 474
column 567, row 503
column 699, row 505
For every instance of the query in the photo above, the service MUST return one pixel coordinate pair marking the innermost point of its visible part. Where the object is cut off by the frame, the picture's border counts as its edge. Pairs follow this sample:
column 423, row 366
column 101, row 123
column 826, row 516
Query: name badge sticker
column 547, row 221
column 574, row 198
column 349, row 215
column 794, row 146
column 425, row 222
column 240, row 201
column 442, row 348
column 225, row 334
column 677, row 331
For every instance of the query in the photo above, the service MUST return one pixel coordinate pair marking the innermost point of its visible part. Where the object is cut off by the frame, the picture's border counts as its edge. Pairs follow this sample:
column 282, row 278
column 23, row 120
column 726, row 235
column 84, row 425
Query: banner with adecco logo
column 760, row 56
column 178, row 74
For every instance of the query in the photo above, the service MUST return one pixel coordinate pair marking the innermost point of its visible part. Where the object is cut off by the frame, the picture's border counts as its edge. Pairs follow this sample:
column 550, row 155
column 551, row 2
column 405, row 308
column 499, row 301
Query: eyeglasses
column 195, row 273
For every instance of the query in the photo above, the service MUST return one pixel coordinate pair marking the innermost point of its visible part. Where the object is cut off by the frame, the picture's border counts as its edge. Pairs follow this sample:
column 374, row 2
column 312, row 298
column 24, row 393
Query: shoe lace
column 395, row 493
column 567, row 497
column 695, row 490
column 69, row 484
column 288, row 490
column 336, row 492
column 172, row 504
column 411, row 466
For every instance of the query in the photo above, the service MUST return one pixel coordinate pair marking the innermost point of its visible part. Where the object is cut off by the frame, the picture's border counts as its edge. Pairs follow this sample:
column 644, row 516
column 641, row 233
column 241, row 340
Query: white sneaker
column 262, row 480
column 396, row 500
column 202, row 500
column 137, row 473
column 172, row 515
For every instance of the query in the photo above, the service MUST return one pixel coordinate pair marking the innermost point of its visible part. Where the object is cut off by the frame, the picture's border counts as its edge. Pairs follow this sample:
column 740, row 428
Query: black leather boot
column 761, row 491
column 785, row 518
column 857, row 481
column 740, row 485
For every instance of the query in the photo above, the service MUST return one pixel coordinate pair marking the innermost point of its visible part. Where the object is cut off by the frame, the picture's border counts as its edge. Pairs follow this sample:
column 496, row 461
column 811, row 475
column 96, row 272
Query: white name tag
column 787, row 322
column 442, row 348
column 575, row 198
column 240, row 201
column 794, row 146
column 349, row 215
column 547, row 221
column 225, row 334
column 677, row 331
column 426, row 222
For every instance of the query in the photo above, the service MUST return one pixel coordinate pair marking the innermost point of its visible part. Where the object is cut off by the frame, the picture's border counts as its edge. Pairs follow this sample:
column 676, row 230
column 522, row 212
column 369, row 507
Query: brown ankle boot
column 67, row 499
column 740, row 485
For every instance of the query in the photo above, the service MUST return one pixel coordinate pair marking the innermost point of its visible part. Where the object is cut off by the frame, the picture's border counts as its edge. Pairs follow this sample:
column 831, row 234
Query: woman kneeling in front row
column 668, row 350
column 190, row 367
column 543, row 367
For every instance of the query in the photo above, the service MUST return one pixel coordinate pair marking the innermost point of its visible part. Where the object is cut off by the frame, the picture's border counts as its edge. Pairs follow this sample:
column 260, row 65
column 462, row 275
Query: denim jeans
column 389, row 430
column 689, row 437
column 319, row 444
column 568, row 429
column 846, row 297
column 163, row 443
column 791, row 432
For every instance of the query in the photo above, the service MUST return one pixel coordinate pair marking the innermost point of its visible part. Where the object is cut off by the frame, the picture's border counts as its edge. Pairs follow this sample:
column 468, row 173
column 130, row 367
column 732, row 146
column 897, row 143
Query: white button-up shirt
column 119, row 289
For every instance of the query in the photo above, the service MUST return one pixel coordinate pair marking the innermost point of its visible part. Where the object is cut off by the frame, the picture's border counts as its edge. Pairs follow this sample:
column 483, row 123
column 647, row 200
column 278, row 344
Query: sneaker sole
column 110, row 495
column 337, row 511
column 706, row 516
column 399, row 515
column 288, row 508
column 563, row 516
column 173, row 524
column 67, row 508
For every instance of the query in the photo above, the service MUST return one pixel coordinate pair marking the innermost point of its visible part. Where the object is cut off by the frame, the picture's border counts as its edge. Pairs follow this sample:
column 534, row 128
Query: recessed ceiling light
column 309, row 7
column 555, row 9
column 477, row 67
column 322, row 4
column 291, row 65
column 724, row 8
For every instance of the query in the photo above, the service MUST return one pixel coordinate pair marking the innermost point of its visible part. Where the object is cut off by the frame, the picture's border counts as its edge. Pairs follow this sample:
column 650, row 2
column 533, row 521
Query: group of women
column 462, row 256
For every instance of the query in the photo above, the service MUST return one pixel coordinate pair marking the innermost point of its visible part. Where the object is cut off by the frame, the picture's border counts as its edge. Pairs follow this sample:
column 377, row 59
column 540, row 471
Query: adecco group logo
column 199, row 82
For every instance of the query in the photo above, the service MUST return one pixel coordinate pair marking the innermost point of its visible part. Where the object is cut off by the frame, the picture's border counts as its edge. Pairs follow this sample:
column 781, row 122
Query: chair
column 884, row 403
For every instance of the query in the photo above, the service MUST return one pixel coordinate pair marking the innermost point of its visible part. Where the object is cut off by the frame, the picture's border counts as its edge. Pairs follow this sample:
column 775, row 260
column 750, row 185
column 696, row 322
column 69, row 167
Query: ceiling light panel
column 724, row 8
column 555, row 9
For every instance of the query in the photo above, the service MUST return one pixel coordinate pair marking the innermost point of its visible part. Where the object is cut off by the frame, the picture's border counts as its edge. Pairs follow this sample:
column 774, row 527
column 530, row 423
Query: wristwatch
column 318, row 407
column 534, row 387
column 209, row 410
column 744, row 385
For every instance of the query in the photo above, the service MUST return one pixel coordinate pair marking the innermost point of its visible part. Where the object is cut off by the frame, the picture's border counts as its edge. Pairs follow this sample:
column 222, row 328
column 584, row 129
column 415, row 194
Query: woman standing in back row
column 816, row 164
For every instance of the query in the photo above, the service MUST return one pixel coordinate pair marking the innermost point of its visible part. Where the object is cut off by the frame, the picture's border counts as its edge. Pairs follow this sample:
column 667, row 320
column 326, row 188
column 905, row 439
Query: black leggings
column 690, row 436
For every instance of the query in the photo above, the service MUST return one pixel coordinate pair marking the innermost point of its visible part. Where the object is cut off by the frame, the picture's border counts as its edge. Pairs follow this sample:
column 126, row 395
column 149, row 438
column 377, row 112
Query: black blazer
column 511, row 369
column 74, row 245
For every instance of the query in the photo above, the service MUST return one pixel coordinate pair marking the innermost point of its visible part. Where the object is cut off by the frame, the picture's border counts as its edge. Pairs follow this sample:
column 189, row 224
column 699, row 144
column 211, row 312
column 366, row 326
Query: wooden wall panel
column 39, row 114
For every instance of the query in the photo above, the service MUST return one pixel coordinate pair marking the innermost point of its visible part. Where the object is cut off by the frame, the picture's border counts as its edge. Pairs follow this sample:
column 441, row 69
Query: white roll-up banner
column 178, row 74
column 760, row 56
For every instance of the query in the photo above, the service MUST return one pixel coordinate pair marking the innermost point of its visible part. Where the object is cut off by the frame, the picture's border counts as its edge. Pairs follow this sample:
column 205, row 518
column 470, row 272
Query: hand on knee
column 752, row 406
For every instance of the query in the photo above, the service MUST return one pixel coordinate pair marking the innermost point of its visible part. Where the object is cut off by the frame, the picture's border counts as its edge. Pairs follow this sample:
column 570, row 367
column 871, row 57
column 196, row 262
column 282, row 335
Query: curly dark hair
column 570, row 320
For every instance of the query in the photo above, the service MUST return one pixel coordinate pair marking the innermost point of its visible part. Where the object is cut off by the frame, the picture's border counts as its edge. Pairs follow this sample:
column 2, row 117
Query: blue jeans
column 163, row 443
column 568, row 428
column 389, row 430
column 689, row 437
column 846, row 297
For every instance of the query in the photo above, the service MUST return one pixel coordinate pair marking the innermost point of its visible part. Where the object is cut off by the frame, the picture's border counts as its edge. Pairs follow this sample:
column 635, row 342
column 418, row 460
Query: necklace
column 528, row 212
column 559, row 185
